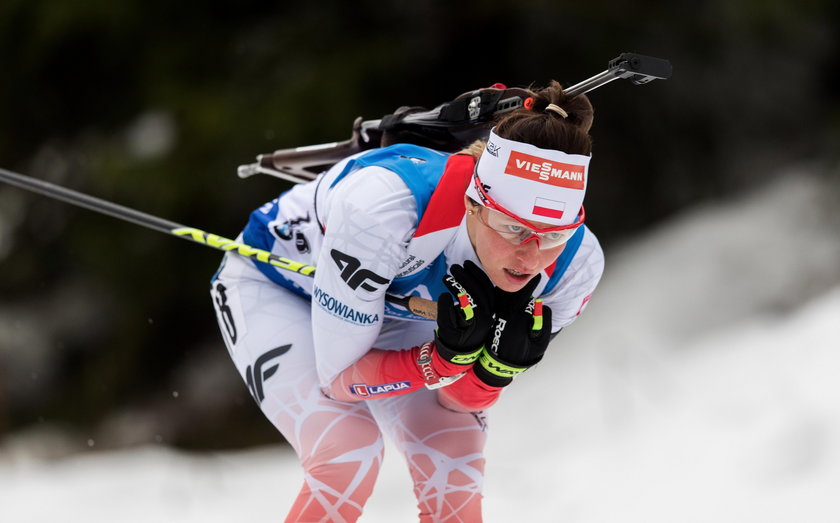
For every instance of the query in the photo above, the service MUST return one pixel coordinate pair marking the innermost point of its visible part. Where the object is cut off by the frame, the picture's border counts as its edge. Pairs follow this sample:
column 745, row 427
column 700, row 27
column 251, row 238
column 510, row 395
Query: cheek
column 549, row 256
column 490, row 247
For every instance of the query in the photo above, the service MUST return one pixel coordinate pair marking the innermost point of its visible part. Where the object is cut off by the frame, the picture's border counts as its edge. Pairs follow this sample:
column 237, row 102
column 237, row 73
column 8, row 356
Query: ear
column 468, row 203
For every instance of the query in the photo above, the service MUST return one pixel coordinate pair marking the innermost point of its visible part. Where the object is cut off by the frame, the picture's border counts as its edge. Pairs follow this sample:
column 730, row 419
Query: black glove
column 462, row 328
column 518, row 338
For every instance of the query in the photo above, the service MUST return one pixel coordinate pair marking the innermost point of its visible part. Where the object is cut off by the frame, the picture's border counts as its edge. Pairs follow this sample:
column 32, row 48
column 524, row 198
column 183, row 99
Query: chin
column 510, row 288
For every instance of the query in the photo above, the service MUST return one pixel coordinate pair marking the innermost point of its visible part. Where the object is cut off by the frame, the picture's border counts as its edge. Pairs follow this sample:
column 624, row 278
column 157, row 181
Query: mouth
column 518, row 275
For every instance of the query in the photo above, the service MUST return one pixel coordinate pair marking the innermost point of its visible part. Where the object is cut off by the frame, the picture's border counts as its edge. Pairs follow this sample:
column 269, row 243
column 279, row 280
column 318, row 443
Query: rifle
column 448, row 127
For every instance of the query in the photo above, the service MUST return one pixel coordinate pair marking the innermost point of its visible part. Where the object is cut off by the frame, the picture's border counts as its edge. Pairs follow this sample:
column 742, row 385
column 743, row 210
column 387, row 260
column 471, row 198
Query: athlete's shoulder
column 587, row 264
column 590, row 248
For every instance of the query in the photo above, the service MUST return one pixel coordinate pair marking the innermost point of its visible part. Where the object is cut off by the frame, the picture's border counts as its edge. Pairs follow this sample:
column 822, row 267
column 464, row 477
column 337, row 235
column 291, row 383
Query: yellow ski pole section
column 226, row 244
column 417, row 305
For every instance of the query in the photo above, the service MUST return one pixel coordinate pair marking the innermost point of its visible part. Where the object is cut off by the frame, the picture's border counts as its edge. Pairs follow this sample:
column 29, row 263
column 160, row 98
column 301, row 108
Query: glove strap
column 498, row 368
column 458, row 358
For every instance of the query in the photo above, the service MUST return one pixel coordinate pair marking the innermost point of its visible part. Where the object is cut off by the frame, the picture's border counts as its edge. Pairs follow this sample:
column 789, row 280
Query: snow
column 700, row 385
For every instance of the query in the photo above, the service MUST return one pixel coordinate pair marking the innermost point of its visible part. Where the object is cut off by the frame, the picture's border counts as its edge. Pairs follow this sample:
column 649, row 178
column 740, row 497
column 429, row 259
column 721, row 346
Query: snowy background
column 702, row 384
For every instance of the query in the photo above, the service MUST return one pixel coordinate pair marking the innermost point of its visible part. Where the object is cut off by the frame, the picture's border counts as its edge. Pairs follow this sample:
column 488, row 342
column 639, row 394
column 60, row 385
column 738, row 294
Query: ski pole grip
column 423, row 307
column 416, row 305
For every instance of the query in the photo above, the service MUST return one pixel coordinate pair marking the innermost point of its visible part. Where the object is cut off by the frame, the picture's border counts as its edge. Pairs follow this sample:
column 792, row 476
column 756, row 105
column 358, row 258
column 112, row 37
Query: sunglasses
column 516, row 230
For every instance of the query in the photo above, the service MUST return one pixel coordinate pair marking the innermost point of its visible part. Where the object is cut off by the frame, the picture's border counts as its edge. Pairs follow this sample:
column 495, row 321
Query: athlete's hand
column 518, row 338
column 464, row 321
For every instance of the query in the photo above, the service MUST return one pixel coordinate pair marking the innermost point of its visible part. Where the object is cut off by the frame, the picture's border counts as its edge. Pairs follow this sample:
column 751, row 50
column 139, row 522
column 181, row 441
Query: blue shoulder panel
column 258, row 234
column 420, row 168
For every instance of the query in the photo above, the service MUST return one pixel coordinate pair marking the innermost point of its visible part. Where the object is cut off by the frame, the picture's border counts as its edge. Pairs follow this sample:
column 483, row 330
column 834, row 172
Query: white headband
column 542, row 185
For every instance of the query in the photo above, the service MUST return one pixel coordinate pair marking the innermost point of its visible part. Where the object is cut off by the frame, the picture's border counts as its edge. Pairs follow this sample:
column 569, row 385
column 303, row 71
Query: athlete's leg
column 268, row 333
column 444, row 449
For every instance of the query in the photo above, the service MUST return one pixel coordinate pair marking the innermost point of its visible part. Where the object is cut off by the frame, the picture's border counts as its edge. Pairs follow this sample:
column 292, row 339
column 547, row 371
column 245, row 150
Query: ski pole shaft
column 415, row 304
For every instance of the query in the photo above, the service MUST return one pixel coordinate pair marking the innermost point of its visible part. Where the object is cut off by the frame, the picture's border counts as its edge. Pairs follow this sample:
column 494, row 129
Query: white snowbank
column 697, row 387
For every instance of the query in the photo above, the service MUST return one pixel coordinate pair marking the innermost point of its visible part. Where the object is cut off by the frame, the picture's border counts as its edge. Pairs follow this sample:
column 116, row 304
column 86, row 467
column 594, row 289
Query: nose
column 528, row 253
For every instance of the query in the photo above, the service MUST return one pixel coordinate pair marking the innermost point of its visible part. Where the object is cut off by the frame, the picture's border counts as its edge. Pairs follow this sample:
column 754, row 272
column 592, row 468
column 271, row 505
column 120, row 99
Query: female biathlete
column 494, row 234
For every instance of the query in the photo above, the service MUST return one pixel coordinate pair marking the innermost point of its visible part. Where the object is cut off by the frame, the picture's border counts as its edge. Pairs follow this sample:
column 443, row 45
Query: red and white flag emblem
column 549, row 208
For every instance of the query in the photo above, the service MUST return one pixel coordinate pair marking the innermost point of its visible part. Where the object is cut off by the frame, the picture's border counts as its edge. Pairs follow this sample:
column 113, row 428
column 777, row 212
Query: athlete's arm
column 385, row 373
column 369, row 218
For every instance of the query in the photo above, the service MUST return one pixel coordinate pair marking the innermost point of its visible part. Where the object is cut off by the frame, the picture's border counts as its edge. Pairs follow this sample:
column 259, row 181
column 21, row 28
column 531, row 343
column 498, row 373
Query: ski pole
column 415, row 304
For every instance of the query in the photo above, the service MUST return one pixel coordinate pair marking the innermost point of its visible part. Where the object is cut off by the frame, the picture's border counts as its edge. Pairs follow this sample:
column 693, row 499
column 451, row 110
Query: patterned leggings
column 268, row 332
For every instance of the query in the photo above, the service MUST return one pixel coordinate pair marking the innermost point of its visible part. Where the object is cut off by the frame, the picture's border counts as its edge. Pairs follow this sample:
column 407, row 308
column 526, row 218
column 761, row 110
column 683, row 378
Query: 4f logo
column 481, row 190
column 353, row 275
column 256, row 376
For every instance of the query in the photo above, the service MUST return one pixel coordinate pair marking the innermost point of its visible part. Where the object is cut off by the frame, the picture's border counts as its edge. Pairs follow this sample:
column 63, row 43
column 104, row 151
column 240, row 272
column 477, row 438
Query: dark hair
column 547, row 129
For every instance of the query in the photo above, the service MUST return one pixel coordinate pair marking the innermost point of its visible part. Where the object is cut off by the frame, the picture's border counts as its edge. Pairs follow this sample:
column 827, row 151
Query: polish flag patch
column 548, row 208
